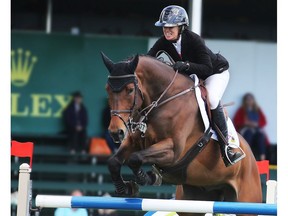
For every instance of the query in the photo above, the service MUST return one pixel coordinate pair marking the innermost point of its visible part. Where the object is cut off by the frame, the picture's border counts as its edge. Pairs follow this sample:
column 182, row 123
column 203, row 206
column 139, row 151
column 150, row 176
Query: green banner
column 47, row 68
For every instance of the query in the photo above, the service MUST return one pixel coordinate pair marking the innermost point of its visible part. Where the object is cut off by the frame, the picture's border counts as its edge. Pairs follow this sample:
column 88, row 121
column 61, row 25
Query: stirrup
column 227, row 160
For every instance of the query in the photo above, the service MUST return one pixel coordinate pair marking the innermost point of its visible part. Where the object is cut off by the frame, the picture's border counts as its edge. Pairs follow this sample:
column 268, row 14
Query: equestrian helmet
column 173, row 15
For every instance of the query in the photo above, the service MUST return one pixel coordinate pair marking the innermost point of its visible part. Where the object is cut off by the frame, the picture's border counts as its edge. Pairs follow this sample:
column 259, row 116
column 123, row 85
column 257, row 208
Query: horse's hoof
column 132, row 188
column 156, row 178
column 142, row 178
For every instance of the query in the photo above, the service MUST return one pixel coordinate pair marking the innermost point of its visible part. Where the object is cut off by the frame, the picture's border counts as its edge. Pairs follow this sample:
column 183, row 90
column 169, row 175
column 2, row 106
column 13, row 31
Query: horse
column 156, row 120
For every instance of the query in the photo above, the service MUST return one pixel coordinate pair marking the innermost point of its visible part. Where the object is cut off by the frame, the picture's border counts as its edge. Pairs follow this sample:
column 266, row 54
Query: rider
column 192, row 56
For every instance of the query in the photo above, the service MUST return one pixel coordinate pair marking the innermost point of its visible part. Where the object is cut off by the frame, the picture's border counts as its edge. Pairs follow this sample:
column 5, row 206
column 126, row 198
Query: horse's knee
column 114, row 164
column 135, row 161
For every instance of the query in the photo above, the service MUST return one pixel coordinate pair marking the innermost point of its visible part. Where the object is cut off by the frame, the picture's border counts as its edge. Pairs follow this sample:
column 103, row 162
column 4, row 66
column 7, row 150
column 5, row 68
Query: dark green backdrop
column 65, row 63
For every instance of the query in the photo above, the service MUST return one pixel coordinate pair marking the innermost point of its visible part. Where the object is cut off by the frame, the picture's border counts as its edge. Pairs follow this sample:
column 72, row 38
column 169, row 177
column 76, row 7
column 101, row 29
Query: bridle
column 135, row 82
column 140, row 125
column 130, row 125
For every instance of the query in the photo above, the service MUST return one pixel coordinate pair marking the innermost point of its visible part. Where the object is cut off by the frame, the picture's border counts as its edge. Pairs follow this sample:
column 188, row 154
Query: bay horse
column 156, row 119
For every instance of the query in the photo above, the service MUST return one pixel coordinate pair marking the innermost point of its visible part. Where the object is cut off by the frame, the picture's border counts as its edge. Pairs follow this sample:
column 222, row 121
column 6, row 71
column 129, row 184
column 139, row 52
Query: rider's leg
column 216, row 85
column 229, row 156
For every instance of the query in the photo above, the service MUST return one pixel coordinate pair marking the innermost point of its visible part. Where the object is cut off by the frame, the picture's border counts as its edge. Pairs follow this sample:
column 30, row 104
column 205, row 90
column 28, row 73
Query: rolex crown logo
column 22, row 64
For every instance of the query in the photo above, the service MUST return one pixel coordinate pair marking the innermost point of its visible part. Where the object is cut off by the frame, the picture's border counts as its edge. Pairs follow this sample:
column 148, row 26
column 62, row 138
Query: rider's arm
column 200, row 64
column 159, row 45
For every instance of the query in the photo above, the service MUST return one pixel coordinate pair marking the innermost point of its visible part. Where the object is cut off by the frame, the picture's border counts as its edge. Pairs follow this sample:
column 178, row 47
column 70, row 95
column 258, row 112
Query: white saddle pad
column 233, row 139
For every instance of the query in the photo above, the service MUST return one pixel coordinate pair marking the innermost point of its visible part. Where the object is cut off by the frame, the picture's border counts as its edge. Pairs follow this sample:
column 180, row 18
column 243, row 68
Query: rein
column 155, row 103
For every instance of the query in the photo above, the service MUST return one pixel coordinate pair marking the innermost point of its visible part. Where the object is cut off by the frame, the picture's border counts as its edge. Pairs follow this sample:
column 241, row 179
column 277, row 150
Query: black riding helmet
column 172, row 16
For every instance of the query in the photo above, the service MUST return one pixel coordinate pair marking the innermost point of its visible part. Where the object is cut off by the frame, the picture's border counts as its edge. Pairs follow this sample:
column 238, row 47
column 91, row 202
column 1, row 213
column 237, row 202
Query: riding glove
column 181, row 66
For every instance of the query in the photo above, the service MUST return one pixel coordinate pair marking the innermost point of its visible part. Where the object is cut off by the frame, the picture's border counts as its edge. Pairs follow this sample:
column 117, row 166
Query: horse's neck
column 154, row 79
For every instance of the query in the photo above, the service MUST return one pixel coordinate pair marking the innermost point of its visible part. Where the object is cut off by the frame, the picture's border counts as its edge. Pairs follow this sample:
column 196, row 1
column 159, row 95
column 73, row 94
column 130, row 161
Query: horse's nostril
column 121, row 134
column 118, row 136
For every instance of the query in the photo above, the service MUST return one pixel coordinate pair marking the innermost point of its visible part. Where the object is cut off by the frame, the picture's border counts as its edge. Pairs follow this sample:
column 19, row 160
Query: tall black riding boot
column 220, row 126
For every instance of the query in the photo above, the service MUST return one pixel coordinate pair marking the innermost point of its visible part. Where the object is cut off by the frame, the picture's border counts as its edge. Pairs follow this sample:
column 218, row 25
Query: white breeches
column 216, row 85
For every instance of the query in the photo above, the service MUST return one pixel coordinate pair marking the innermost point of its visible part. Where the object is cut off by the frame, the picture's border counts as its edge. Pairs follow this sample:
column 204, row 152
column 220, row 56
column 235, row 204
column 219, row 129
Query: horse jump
column 52, row 201
column 138, row 204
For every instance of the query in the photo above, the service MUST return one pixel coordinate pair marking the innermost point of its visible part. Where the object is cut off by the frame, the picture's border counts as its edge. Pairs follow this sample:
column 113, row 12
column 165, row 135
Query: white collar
column 177, row 45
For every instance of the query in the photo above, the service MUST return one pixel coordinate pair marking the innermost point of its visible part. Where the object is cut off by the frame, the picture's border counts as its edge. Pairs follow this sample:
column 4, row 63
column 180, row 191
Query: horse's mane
column 129, row 58
column 165, row 66
column 169, row 68
column 159, row 63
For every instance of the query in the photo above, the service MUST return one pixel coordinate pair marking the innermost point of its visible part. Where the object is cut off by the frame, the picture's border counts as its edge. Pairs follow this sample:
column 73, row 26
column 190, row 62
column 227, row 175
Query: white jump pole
column 24, row 190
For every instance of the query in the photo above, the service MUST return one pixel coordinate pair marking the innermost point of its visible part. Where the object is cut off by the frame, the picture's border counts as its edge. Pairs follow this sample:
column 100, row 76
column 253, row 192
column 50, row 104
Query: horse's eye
column 130, row 90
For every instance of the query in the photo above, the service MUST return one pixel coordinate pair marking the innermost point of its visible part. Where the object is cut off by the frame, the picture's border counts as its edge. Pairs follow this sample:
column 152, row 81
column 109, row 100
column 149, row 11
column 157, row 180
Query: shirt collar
column 177, row 45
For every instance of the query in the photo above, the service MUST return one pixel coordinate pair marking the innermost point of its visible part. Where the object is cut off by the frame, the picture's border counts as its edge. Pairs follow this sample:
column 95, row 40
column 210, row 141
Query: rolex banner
column 46, row 69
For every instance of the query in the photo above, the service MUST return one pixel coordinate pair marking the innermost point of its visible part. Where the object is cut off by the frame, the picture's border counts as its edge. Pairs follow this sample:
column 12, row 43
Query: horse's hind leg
column 187, row 192
column 249, row 183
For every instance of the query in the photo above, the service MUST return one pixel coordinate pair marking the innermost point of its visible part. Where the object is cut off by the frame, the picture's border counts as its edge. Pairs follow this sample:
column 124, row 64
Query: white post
column 23, row 190
column 49, row 17
column 195, row 14
column 271, row 194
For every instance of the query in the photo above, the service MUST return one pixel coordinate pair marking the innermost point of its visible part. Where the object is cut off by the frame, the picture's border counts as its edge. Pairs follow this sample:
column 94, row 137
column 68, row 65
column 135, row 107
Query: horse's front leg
column 122, row 188
column 159, row 153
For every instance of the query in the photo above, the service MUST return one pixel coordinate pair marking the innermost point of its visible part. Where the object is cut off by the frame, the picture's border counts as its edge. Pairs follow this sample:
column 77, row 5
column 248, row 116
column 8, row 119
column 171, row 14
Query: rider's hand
column 181, row 66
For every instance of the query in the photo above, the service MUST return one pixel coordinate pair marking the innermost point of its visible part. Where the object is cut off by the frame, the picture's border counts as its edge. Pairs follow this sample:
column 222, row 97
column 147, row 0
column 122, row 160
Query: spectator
column 106, row 117
column 249, row 121
column 76, row 119
column 72, row 211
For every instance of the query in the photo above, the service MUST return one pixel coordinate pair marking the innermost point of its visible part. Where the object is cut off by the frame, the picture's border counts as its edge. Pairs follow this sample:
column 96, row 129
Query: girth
column 178, row 171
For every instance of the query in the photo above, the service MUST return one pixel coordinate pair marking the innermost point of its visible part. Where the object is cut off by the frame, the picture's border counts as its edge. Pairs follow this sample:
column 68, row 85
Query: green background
column 67, row 63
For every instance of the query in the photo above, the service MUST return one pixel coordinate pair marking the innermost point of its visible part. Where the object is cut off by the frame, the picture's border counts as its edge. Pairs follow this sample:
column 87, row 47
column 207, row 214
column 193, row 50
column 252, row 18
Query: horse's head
column 123, row 94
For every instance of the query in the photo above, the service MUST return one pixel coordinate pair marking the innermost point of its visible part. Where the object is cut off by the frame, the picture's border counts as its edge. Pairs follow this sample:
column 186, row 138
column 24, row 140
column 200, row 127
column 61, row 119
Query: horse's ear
column 133, row 63
column 108, row 63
